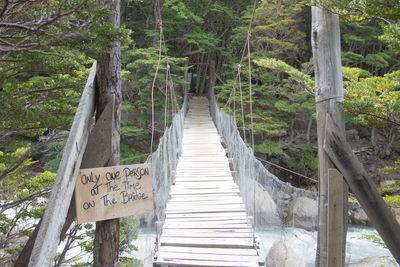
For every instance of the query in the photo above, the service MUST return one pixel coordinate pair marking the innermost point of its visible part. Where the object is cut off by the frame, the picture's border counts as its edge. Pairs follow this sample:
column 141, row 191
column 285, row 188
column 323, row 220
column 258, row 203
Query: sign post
column 113, row 192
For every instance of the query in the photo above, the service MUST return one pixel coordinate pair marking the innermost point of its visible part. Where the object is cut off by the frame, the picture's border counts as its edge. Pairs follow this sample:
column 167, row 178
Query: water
column 301, row 241
column 304, row 243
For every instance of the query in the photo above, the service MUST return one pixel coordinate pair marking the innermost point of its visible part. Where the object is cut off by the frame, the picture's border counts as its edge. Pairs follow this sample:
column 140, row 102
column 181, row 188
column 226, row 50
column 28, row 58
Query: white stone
column 266, row 208
column 305, row 207
column 281, row 255
column 304, row 213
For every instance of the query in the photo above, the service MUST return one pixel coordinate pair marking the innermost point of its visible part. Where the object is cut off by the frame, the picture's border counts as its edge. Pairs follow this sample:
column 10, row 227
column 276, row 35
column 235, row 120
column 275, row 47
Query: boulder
column 281, row 255
column 304, row 213
column 267, row 213
column 358, row 216
column 373, row 262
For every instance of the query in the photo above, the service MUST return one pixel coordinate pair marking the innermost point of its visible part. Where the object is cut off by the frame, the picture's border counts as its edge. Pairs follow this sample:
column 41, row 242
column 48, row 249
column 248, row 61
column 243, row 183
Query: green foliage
column 390, row 188
column 392, row 200
column 306, row 159
column 294, row 73
column 128, row 233
column 269, row 147
column 351, row 58
column 14, row 188
column 395, row 168
column 140, row 65
column 278, row 29
column 131, row 156
column 373, row 101
column 377, row 60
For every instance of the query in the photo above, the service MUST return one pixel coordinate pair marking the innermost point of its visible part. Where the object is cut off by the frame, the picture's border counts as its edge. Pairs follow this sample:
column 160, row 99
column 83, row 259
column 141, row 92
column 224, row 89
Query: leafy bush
column 306, row 159
column 269, row 147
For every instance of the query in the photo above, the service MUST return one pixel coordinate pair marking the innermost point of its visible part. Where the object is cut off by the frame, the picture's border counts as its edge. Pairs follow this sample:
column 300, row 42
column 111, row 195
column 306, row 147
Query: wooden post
column 328, row 94
column 53, row 220
column 363, row 187
column 94, row 156
column 106, row 242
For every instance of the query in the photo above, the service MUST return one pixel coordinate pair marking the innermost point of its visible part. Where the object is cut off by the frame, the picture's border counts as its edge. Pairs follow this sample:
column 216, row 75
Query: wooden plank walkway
column 206, row 222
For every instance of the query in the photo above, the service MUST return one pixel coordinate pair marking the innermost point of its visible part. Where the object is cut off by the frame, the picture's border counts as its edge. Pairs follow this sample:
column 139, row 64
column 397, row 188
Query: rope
column 283, row 168
column 152, row 86
column 166, row 96
column 241, row 103
column 250, row 90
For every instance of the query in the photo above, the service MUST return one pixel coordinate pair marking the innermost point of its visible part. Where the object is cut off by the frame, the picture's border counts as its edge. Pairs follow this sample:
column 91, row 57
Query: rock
column 396, row 212
column 364, row 132
column 358, row 216
column 285, row 158
column 373, row 262
column 267, row 213
column 352, row 133
column 304, row 213
column 281, row 255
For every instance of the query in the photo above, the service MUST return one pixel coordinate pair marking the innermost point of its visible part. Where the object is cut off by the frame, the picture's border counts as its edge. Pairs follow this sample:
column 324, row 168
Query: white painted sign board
column 113, row 192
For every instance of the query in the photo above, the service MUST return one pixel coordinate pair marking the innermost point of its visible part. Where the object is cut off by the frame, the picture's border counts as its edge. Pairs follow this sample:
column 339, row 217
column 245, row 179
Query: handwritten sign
column 113, row 192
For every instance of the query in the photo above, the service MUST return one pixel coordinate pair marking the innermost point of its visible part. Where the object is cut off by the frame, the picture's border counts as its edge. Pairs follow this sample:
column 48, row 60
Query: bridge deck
column 206, row 223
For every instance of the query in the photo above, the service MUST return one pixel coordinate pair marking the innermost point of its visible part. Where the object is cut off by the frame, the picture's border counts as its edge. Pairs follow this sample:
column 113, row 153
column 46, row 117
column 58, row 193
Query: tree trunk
column 329, row 91
column 310, row 120
column 106, row 242
column 205, row 72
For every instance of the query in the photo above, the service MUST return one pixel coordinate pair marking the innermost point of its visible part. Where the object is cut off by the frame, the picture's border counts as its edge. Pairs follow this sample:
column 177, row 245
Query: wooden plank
column 206, row 257
column 208, row 242
column 204, row 263
column 198, row 192
column 206, row 210
column 335, row 217
column 54, row 216
column 189, row 202
column 205, row 215
column 192, row 207
column 219, row 251
column 206, row 232
column 177, row 233
column 206, row 226
column 203, row 197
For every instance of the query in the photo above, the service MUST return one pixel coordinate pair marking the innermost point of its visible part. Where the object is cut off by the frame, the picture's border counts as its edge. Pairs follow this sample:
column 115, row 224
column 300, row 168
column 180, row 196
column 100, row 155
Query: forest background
column 47, row 47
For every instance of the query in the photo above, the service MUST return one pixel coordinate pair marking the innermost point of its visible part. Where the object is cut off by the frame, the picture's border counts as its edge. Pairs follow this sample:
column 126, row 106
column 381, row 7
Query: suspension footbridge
column 205, row 219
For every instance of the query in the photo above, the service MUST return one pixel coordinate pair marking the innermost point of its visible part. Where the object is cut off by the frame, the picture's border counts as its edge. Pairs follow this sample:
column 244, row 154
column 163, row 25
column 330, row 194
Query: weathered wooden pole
column 106, row 242
column 363, row 187
column 328, row 95
column 44, row 245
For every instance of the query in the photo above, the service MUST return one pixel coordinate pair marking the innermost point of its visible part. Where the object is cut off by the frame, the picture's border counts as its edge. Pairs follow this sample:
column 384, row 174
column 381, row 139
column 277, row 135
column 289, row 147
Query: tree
column 108, row 77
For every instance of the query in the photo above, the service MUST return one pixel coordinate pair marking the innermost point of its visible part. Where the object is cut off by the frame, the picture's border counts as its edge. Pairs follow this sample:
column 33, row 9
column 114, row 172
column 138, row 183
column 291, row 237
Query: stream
column 301, row 241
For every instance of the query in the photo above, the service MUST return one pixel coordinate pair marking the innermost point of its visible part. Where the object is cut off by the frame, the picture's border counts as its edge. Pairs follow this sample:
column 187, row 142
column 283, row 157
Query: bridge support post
column 332, row 221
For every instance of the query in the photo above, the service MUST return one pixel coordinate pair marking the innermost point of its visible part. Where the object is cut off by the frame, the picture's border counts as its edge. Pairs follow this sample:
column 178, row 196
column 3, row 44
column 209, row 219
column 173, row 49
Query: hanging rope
column 166, row 95
column 168, row 83
column 250, row 90
column 153, row 84
column 238, row 77
column 241, row 102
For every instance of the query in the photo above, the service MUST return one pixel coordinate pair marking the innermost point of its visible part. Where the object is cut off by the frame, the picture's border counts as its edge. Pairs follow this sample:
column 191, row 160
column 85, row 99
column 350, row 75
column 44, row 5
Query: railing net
column 164, row 161
column 269, row 200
